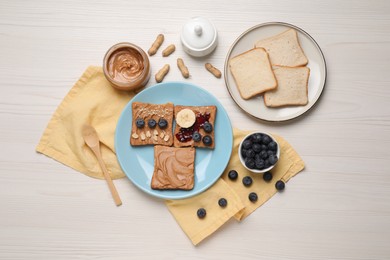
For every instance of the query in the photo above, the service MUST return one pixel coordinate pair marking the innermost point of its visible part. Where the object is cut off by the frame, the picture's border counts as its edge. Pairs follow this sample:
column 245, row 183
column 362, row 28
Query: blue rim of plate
column 137, row 162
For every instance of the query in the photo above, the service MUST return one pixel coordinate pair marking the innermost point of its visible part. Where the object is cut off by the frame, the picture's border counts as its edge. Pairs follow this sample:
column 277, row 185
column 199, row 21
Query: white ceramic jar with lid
column 199, row 37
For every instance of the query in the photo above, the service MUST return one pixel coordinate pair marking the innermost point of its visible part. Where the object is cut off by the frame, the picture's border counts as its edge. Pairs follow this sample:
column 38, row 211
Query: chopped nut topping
column 148, row 134
column 135, row 136
column 155, row 132
column 162, row 135
column 143, row 137
column 166, row 138
column 155, row 138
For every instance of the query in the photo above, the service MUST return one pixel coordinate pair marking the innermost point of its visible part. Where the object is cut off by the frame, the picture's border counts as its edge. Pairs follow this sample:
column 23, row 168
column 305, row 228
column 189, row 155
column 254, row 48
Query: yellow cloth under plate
column 92, row 100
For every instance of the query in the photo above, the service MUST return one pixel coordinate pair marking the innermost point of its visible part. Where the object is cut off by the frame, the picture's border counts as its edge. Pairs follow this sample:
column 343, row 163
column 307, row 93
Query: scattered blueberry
column 247, row 144
column 140, row 123
column 222, row 202
column 201, row 213
column 267, row 176
column 279, row 185
column 207, row 140
column 233, row 175
column 196, row 136
column 208, row 128
column 247, row 181
column 253, row 196
column 162, row 123
column 152, row 123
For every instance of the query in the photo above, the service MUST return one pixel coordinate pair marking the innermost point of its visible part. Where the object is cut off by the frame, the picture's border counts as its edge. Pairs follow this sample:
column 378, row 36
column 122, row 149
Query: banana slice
column 185, row 118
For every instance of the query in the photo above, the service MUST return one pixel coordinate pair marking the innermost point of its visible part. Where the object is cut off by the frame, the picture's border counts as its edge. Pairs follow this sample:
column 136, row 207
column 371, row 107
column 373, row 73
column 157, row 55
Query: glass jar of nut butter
column 126, row 66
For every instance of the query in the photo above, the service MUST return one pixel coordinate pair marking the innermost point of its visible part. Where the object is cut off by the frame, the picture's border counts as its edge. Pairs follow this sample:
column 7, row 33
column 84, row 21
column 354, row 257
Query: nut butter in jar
column 126, row 66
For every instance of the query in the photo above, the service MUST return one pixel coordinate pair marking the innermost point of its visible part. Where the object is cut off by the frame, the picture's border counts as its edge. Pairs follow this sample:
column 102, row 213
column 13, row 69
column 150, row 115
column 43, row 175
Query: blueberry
column 269, row 152
column 140, row 123
column 263, row 147
column 267, row 176
column 162, row 123
column 266, row 163
column 272, row 159
column 247, row 181
column 243, row 152
column 257, row 138
column 152, row 123
column 207, row 140
column 252, row 197
column 250, row 163
column 196, row 136
column 256, row 147
column 263, row 154
column 201, row 213
column 266, row 139
column 233, row 175
column 272, row 146
column 259, row 164
column 250, row 153
column 222, row 202
column 279, row 185
column 208, row 128
column 247, row 144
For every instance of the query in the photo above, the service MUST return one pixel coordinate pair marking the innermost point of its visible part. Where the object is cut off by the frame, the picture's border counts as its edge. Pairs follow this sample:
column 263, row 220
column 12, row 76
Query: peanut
column 160, row 75
column 213, row 70
column 183, row 69
column 156, row 44
column 168, row 50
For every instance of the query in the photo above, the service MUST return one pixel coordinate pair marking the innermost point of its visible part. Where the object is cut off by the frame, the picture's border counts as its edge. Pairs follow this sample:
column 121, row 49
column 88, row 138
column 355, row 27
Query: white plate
column 317, row 65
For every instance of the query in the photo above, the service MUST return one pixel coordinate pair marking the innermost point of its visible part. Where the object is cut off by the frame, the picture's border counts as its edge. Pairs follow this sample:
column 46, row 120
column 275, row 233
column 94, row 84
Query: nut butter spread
column 174, row 168
column 125, row 65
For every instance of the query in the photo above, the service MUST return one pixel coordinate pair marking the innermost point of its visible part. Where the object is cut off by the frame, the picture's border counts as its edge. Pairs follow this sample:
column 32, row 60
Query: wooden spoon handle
column 107, row 176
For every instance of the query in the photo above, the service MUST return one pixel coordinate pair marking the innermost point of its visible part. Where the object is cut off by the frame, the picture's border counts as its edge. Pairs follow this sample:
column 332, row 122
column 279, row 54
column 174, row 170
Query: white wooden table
column 338, row 208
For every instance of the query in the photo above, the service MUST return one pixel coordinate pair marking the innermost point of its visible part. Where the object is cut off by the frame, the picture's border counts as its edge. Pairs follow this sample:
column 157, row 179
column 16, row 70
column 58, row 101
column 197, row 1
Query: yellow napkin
column 92, row 100
column 234, row 192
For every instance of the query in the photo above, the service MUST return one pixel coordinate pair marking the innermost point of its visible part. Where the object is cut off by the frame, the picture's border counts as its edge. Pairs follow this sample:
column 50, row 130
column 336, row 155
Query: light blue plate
column 138, row 162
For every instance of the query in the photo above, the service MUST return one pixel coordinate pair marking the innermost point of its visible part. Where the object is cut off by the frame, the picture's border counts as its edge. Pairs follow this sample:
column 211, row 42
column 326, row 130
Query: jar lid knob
column 198, row 30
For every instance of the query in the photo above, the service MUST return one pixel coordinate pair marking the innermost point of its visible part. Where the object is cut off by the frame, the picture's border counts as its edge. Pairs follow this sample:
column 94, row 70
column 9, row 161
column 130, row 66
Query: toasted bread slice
column 147, row 135
column 284, row 49
column 173, row 168
column 252, row 72
column 183, row 136
column 292, row 87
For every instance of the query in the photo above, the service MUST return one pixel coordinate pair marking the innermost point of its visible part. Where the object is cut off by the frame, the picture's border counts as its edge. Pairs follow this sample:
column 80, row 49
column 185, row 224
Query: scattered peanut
column 156, row 44
column 213, row 70
column 183, row 69
column 162, row 73
column 168, row 50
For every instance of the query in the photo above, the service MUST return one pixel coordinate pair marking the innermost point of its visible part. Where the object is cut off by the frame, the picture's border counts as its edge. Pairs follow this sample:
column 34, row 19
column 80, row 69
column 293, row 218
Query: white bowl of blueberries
column 259, row 152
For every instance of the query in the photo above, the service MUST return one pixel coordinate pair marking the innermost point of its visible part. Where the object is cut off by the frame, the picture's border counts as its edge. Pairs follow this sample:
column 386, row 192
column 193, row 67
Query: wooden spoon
column 92, row 140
